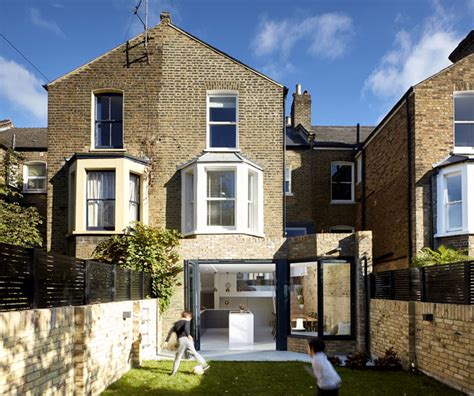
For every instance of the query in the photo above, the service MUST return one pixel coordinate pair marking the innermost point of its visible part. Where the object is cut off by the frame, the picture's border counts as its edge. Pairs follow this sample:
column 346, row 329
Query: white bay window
column 455, row 197
column 222, row 193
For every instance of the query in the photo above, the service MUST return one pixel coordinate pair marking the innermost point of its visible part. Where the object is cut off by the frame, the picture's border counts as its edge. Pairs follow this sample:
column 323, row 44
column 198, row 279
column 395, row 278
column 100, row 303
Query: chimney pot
column 288, row 121
column 298, row 89
column 165, row 17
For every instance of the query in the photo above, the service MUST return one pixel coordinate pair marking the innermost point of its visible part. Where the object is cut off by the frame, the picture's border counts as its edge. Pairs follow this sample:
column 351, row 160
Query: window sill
column 95, row 150
column 452, row 233
column 34, row 192
column 223, row 232
column 98, row 232
column 222, row 149
column 336, row 202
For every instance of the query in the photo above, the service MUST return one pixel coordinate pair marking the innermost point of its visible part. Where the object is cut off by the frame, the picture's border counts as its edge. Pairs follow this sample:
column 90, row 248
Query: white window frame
column 359, row 169
column 448, row 204
column 241, row 226
column 221, row 93
column 26, row 177
column 252, row 201
column 461, row 149
column 341, row 229
column 289, row 179
column 218, row 199
column 342, row 201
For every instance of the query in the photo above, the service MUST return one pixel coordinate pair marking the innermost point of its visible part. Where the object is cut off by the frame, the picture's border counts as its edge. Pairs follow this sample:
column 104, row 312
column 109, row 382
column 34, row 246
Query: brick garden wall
column 73, row 350
column 443, row 348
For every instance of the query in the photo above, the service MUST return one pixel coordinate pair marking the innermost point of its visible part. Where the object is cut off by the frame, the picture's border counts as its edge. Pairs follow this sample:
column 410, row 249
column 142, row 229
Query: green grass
column 267, row 378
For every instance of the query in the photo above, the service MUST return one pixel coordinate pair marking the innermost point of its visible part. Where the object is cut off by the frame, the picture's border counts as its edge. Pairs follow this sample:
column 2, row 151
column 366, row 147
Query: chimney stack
column 464, row 48
column 301, row 108
column 6, row 124
column 165, row 18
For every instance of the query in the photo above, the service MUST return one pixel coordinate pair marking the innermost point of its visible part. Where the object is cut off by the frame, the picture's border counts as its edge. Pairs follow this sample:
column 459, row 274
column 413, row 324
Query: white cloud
column 38, row 20
column 22, row 89
column 414, row 57
column 327, row 36
column 277, row 70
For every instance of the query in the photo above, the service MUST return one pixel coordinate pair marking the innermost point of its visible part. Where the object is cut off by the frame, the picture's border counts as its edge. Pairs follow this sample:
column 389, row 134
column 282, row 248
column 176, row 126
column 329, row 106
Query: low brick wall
column 74, row 350
column 442, row 348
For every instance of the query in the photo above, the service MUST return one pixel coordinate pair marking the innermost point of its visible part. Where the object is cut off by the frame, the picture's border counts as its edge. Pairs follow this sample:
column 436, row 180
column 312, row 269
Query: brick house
column 31, row 145
column 320, row 172
column 416, row 188
column 178, row 134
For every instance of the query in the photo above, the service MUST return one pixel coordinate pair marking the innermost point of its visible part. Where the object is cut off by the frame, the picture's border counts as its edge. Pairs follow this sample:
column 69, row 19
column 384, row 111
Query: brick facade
column 165, row 119
column 310, row 200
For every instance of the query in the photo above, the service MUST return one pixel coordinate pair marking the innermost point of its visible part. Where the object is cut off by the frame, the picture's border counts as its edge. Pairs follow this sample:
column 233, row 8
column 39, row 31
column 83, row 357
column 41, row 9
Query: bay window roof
column 220, row 158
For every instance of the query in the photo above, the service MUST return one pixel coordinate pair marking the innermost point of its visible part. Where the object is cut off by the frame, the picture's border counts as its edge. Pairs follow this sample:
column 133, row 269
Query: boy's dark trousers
column 327, row 392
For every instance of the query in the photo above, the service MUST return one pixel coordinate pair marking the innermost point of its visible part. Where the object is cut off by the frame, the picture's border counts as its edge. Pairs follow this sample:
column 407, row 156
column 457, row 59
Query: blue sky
column 356, row 58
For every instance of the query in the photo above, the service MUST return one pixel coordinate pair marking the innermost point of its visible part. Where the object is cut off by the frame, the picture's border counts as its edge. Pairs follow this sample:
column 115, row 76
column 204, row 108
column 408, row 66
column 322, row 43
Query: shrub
column 357, row 361
column 335, row 361
column 389, row 361
column 149, row 249
column 444, row 255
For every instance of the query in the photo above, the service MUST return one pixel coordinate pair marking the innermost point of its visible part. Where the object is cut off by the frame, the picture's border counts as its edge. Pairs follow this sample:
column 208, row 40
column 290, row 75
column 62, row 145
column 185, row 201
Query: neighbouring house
column 320, row 173
column 29, row 175
column 417, row 172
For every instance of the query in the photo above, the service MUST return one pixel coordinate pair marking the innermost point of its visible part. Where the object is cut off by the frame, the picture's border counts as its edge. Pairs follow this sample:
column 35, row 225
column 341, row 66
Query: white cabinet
column 241, row 330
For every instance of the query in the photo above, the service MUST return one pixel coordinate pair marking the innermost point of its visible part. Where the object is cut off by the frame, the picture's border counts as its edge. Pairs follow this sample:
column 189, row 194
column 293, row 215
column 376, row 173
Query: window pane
column 222, row 109
column 341, row 173
column 116, row 107
column 134, row 188
column 189, row 201
column 103, row 134
column 337, row 298
column 117, row 141
column 37, row 184
column 453, row 187
column 101, row 185
column 455, row 216
column 220, row 184
column 36, row 170
column 223, row 135
column 294, row 231
column 220, row 213
column 103, row 108
column 101, row 214
column 304, row 298
column 464, row 135
column 464, row 107
column 341, row 191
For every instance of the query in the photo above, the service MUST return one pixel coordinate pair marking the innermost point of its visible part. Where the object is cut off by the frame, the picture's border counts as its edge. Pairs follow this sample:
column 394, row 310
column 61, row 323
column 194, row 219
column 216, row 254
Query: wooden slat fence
column 32, row 278
column 448, row 283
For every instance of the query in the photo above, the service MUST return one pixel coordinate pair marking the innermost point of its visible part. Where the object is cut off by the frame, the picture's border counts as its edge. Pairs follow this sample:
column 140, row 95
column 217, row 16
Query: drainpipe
column 285, row 92
column 409, row 179
column 367, row 308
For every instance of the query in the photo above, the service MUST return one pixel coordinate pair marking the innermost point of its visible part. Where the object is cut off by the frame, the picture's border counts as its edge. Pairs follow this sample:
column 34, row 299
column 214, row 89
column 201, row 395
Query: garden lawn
column 267, row 378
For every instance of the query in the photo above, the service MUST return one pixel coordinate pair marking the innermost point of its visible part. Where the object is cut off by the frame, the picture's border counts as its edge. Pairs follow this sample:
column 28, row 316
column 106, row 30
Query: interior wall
column 261, row 307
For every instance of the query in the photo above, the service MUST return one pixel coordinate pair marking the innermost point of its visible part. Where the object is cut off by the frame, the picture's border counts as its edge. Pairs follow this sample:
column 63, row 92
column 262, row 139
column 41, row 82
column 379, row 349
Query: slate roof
column 326, row 136
column 25, row 138
column 454, row 159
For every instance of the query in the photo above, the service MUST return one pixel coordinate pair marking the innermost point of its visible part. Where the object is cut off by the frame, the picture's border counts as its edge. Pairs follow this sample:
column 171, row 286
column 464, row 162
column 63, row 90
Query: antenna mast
column 143, row 56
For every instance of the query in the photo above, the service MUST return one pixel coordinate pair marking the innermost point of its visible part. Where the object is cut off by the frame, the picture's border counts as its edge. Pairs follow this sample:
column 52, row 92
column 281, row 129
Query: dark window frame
column 110, row 122
column 320, row 298
column 110, row 228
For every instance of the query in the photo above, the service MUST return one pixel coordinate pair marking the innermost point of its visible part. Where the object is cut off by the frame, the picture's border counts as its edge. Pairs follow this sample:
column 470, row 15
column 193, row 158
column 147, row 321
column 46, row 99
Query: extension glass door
column 192, row 299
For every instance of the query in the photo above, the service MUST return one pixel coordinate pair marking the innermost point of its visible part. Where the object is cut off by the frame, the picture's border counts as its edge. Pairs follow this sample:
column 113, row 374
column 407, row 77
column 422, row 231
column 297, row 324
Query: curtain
column 134, row 198
column 101, row 199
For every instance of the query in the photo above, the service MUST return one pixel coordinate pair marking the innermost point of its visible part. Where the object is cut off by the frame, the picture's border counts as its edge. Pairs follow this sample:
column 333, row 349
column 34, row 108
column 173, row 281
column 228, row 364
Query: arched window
column 34, row 177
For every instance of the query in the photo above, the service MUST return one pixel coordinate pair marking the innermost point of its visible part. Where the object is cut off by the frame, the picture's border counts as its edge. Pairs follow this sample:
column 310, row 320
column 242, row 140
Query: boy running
column 182, row 329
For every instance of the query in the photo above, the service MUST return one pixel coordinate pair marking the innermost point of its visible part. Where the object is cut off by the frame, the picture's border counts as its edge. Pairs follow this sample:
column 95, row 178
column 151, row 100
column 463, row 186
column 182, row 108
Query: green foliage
column 444, row 255
column 149, row 249
column 357, row 361
column 389, row 361
column 18, row 224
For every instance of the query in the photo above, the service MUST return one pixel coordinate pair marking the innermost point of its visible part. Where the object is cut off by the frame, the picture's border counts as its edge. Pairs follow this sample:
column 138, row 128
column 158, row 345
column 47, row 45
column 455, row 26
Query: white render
column 241, row 330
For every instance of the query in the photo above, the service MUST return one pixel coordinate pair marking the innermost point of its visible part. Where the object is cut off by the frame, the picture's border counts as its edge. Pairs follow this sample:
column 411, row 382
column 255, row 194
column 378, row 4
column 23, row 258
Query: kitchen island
column 241, row 330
